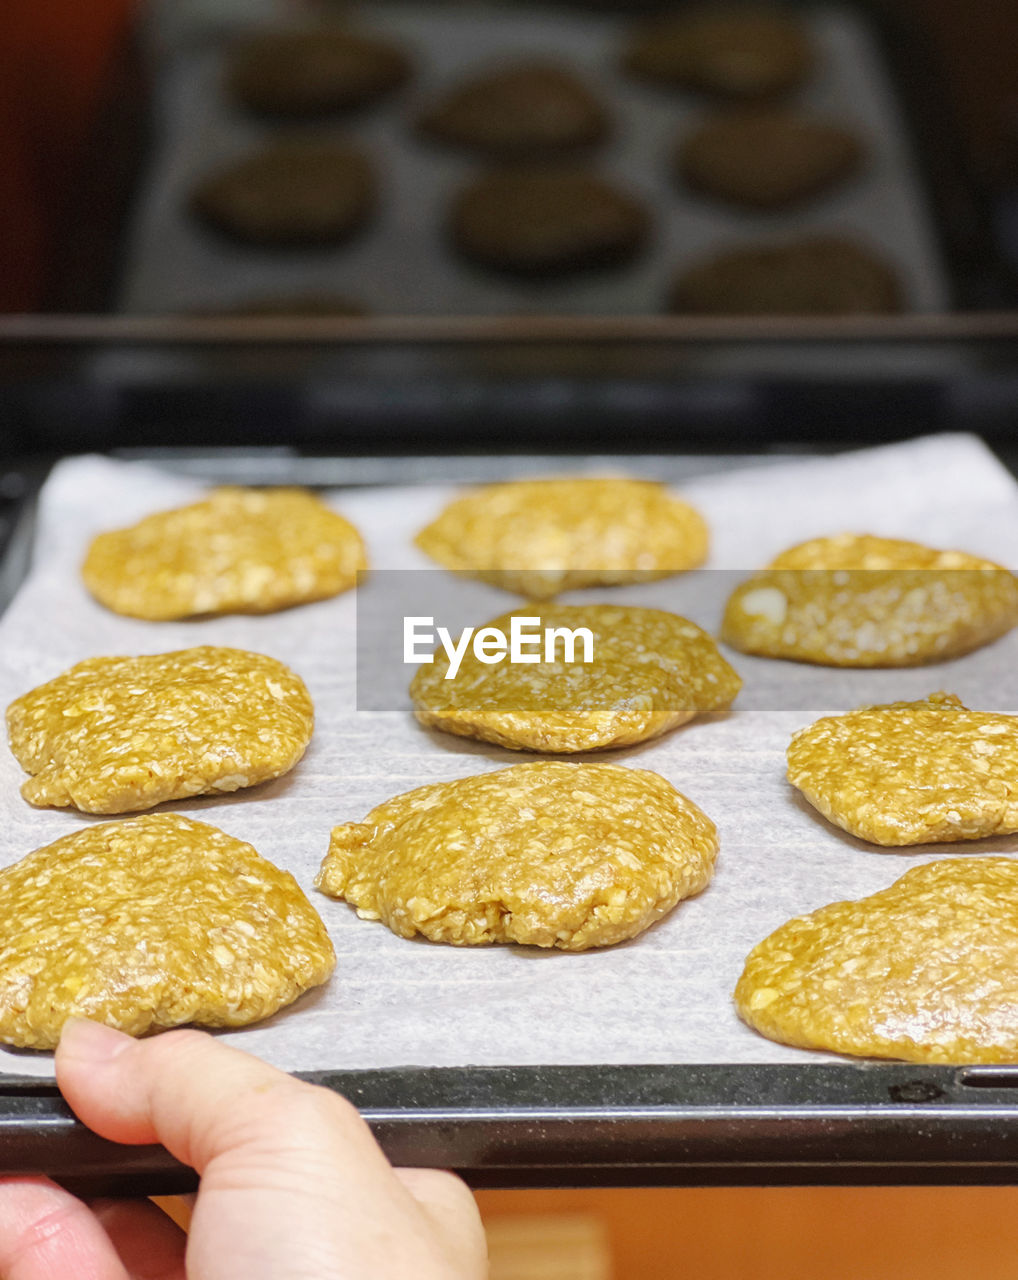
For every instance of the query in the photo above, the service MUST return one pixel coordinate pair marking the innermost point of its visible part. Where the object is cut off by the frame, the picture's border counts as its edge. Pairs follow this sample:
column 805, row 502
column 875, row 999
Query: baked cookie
column 541, row 537
column 649, row 671
column 767, row 159
column 743, row 52
column 519, row 113
column 926, row 970
column 855, row 600
column 816, row 275
column 547, row 854
column 911, row 772
column 236, row 551
column 291, row 192
column 114, row 735
column 547, row 222
column 151, row 923
column 311, row 73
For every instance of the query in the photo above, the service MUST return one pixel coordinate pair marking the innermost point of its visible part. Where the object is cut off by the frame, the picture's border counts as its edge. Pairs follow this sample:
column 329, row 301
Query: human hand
column 293, row 1185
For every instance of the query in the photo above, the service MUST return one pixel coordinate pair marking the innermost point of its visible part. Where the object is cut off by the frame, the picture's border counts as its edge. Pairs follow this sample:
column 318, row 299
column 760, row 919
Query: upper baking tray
column 403, row 264
column 916, row 203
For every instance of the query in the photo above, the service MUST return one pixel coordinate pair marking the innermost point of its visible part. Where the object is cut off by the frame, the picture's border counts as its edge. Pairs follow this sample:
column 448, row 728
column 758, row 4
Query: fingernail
column 92, row 1041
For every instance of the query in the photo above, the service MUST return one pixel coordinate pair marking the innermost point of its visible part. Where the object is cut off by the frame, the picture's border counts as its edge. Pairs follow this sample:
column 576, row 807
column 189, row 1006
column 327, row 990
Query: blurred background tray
column 128, row 246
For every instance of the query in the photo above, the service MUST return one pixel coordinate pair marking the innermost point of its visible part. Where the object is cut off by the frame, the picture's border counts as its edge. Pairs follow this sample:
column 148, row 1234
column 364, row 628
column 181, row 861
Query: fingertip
column 94, row 1043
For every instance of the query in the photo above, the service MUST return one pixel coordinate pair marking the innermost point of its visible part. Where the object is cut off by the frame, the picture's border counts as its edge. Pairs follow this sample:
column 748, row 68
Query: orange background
column 56, row 55
column 814, row 1233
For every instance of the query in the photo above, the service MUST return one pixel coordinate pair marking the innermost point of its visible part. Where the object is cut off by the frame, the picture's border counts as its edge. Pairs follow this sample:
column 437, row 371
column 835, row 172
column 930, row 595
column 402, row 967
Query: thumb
column 198, row 1097
column 293, row 1183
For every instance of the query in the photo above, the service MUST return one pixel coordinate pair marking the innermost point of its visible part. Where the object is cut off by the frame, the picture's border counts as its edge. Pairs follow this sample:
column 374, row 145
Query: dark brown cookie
column 767, row 159
column 520, row 112
column 547, row 222
column 303, row 74
column 299, row 192
column 744, row 52
column 821, row 275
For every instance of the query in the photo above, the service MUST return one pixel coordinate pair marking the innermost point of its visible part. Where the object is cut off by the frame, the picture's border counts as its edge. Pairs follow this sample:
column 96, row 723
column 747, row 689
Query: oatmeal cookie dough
column 519, row 112
column 926, row 970
column 767, row 159
column 547, row 854
column 296, row 192
column 651, row 671
column 541, row 537
column 911, row 772
column 150, row 923
column 311, row 73
column 855, row 600
column 114, row 735
column 236, row 551
column 547, row 222
column 814, row 275
column 742, row 52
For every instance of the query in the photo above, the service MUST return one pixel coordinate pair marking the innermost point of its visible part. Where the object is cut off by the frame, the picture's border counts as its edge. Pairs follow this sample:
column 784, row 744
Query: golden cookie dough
column 114, row 735
column 524, row 111
column 744, row 51
column 767, row 159
column 236, row 551
column 911, row 772
column 547, row 854
column 651, row 671
column 151, row 923
column 926, row 970
column 855, row 600
column 541, row 537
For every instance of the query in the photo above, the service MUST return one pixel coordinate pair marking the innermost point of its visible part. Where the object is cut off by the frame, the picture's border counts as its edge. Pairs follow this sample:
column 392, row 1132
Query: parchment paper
column 402, row 265
column 665, row 997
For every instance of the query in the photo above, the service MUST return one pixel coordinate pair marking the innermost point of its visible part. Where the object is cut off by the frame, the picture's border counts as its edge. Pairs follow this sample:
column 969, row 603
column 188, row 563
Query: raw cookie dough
column 547, row 222
column 547, row 854
column 767, row 159
column 745, row 52
column 114, row 735
column 926, row 970
column 911, row 772
column 855, row 600
column 519, row 112
column 814, row 275
column 151, row 923
column 651, row 671
column 304, row 74
column 291, row 192
column 236, row 551
column 541, row 537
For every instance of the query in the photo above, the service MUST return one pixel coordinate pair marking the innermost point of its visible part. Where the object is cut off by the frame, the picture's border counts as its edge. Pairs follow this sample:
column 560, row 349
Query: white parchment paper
column 664, row 997
column 402, row 265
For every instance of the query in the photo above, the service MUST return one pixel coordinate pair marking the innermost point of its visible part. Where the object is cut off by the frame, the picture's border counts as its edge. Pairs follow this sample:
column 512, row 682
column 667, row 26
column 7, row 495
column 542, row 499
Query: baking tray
column 911, row 93
column 715, row 1124
column 402, row 264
